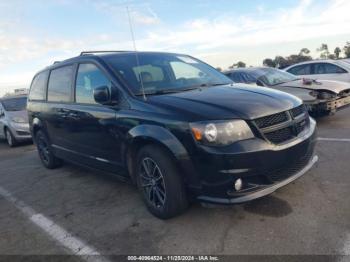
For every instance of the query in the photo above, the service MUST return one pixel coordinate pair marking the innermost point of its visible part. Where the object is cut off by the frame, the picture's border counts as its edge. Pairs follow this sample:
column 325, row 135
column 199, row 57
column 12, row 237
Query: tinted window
column 300, row 70
column 164, row 72
column 326, row 68
column 60, row 83
column 89, row 77
column 15, row 104
column 37, row 89
column 242, row 77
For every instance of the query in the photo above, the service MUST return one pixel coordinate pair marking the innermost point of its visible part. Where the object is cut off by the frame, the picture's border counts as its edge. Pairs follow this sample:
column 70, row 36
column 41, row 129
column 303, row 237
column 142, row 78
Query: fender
column 166, row 138
column 161, row 135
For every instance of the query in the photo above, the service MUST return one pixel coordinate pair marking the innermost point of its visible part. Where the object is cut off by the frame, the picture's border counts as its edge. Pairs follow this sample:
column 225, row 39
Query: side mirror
column 102, row 95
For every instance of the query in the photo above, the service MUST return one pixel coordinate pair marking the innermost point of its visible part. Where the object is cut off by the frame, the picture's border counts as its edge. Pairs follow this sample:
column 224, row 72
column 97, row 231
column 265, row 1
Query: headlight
column 325, row 95
column 17, row 119
column 220, row 133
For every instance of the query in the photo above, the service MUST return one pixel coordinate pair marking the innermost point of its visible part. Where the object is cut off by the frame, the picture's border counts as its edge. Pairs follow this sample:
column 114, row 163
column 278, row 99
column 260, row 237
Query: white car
column 322, row 69
column 320, row 96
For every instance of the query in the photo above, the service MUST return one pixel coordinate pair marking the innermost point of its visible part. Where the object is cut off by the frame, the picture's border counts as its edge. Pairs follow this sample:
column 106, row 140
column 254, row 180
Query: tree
column 219, row 69
column 281, row 62
column 239, row 64
column 346, row 50
column 337, row 52
column 304, row 51
column 324, row 52
column 269, row 62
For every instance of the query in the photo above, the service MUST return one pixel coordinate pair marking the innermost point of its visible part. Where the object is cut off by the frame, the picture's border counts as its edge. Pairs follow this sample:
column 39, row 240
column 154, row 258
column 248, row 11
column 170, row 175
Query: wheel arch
column 143, row 135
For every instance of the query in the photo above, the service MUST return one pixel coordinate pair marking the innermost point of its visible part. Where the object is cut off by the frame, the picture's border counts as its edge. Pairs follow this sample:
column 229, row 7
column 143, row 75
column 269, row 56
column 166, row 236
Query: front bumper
column 262, row 166
column 20, row 131
column 262, row 192
column 332, row 106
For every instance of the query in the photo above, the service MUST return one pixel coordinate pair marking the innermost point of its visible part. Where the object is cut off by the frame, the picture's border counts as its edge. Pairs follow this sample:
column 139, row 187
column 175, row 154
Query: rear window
column 15, row 104
column 240, row 77
column 60, row 84
column 37, row 89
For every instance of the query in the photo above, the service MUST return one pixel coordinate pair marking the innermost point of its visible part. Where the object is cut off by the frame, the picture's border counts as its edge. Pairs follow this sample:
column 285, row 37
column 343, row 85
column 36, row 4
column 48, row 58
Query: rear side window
column 38, row 87
column 300, row 70
column 88, row 78
column 326, row 68
column 60, row 84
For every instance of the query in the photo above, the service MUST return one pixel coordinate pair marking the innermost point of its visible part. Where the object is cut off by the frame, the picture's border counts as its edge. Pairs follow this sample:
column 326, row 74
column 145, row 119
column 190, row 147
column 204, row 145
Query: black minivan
column 172, row 125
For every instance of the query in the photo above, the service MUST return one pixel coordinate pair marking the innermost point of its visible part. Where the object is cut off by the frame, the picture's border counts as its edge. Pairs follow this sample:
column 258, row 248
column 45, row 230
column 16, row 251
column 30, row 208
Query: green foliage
column 337, row 52
column 346, row 50
column 239, row 64
column 324, row 52
column 282, row 62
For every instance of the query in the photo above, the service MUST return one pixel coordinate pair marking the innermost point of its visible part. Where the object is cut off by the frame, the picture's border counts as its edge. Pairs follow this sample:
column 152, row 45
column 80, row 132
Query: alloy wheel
column 152, row 182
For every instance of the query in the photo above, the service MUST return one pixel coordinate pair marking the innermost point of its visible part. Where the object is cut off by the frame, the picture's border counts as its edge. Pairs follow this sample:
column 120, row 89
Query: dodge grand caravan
column 172, row 125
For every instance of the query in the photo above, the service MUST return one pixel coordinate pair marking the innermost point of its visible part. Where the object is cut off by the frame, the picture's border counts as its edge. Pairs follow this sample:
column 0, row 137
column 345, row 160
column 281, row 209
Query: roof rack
column 97, row 52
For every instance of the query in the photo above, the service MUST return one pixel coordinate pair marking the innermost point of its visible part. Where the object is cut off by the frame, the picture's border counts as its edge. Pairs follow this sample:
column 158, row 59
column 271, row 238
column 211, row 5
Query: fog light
column 238, row 184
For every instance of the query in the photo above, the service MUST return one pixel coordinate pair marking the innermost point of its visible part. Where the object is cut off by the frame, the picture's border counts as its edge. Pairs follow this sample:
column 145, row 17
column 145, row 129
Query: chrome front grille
column 281, row 127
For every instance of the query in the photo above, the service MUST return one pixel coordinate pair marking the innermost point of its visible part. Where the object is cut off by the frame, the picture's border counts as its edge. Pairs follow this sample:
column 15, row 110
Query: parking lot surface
column 309, row 216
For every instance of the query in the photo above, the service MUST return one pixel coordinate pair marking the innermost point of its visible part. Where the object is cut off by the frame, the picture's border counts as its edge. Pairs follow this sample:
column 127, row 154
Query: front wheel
column 11, row 141
column 46, row 155
column 160, row 184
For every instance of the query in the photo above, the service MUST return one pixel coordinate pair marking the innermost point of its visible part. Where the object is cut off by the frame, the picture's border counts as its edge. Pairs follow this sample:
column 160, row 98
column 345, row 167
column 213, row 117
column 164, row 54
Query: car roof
column 336, row 62
column 12, row 96
column 247, row 69
column 97, row 55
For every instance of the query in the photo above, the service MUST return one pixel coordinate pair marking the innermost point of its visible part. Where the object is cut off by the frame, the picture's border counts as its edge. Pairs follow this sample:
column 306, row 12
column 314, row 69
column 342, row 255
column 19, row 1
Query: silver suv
column 14, row 125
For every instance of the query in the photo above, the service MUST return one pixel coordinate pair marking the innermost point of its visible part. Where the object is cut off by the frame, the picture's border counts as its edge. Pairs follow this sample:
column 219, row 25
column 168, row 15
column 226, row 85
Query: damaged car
column 321, row 96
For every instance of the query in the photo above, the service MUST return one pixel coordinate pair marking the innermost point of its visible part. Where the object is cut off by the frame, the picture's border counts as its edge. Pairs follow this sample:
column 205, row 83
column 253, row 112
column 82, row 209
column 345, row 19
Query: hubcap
column 43, row 149
column 152, row 182
column 9, row 137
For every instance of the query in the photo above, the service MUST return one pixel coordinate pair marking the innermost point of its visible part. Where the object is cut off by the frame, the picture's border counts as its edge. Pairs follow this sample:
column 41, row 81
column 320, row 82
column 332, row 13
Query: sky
column 34, row 34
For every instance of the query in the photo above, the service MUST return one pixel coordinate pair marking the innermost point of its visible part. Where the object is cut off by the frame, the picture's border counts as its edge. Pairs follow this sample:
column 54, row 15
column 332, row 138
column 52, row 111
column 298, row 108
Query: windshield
column 15, row 104
column 164, row 72
column 273, row 77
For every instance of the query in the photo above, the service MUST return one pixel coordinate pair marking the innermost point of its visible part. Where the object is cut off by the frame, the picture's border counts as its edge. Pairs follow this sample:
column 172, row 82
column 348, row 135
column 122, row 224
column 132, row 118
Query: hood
column 22, row 114
column 225, row 102
column 334, row 86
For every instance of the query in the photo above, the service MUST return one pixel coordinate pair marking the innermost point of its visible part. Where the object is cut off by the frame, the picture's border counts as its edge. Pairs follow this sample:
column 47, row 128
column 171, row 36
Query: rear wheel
column 46, row 155
column 11, row 141
column 159, row 182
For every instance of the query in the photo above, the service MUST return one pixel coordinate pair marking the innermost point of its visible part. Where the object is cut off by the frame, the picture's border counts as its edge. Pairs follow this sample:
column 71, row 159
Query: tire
column 161, row 186
column 11, row 140
column 46, row 155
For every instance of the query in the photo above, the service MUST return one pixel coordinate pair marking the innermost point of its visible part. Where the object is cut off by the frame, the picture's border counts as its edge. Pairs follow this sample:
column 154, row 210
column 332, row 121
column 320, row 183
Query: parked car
column 321, row 96
column 171, row 124
column 14, row 126
column 322, row 70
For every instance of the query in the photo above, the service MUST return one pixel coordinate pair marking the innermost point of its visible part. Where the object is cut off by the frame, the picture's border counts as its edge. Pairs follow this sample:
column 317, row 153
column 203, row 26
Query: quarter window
column 300, row 70
column 326, row 68
column 89, row 77
column 60, row 84
column 37, row 89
